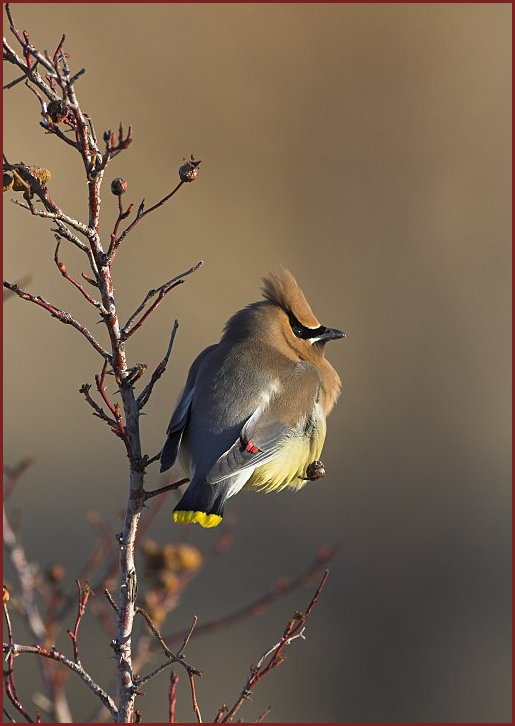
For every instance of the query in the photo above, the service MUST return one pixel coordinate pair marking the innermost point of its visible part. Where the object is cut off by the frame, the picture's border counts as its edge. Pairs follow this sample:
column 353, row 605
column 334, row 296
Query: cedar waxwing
column 254, row 407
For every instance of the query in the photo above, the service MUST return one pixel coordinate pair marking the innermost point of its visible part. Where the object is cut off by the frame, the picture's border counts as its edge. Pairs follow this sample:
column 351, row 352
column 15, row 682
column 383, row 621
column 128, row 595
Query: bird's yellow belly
column 288, row 467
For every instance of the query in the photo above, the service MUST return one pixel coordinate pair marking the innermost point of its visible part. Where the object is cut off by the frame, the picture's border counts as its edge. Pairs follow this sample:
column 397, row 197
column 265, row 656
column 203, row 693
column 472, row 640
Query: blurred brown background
column 367, row 149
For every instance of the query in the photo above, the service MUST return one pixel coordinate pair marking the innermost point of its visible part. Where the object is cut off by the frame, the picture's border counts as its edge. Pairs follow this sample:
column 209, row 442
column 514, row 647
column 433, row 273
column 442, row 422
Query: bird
column 254, row 407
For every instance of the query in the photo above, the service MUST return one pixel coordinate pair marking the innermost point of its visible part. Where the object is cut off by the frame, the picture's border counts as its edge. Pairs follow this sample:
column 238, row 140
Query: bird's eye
column 297, row 328
column 301, row 331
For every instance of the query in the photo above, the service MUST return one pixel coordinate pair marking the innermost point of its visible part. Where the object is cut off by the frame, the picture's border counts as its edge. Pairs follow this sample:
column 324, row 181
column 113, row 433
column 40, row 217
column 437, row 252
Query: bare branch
column 64, row 272
column 293, row 631
column 142, row 212
column 60, row 315
column 161, row 291
column 56, row 655
column 283, row 587
column 162, row 490
column 97, row 410
column 263, row 715
column 9, row 682
column 194, row 701
column 172, row 657
column 81, row 609
column 172, row 696
column 159, row 370
column 26, row 75
column 12, row 57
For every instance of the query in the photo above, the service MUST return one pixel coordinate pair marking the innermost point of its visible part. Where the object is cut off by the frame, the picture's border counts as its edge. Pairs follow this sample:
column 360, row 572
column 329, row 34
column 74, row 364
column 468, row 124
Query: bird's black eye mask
column 301, row 331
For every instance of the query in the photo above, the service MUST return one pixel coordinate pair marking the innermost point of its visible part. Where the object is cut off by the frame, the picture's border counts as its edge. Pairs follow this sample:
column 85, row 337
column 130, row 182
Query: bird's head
column 291, row 313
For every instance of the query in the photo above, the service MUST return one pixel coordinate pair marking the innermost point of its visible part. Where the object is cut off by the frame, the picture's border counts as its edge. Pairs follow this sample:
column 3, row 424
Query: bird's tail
column 202, row 503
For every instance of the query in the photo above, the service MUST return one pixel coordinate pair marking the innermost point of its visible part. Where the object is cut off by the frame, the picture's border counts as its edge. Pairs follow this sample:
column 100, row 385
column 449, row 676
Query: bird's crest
column 282, row 289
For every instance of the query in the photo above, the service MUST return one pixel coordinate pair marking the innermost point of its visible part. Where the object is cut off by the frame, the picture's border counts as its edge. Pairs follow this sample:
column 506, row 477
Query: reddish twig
column 172, row 696
column 76, row 668
column 114, row 146
column 113, row 408
column 60, row 315
column 98, row 410
column 111, row 252
column 9, row 682
column 128, row 329
column 221, row 713
column 62, row 269
column 159, row 370
column 81, row 609
column 258, row 607
column 263, row 715
column 194, row 700
column 294, row 630
column 142, row 212
column 167, row 488
column 172, row 657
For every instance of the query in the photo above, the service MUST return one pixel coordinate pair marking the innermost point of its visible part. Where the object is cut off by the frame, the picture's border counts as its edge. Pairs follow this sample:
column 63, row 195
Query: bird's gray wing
column 285, row 414
column 181, row 413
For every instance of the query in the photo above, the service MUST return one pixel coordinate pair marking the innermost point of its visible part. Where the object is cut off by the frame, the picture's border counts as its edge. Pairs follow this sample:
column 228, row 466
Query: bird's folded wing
column 284, row 416
column 181, row 414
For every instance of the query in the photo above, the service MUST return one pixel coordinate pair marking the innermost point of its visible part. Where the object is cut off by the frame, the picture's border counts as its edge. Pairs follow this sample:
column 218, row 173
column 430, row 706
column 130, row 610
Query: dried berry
column 188, row 172
column 8, row 181
column 119, row 186
column 316, row 470
column 57, row 111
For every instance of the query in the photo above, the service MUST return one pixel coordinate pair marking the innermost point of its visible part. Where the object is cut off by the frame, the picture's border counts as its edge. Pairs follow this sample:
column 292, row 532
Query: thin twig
column 61, row 315
column 8, row 715
column 9, row 682
column 187, row 638
column 282, row 588
column 159, row 370
column 97, row 410
column 122, row 214
column 173, row 658
column 81, row 609
column 26, row 75
column 293, row 631
column 263, row 715
column 194, row 701
column 64, row 272
column 172, row 696
column 56, row 655
column 128, row 329
column 167, row 488
column 141, row 214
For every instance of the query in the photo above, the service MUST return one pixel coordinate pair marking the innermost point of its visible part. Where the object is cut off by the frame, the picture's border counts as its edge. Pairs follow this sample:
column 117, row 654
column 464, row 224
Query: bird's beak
column 332, row 334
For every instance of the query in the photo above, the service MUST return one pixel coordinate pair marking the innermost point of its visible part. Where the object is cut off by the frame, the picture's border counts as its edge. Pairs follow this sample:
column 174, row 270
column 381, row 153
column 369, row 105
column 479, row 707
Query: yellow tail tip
column 205, row 520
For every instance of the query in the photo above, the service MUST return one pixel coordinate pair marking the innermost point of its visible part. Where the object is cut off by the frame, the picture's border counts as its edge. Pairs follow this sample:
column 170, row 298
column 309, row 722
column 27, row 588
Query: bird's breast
column 287, row 468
